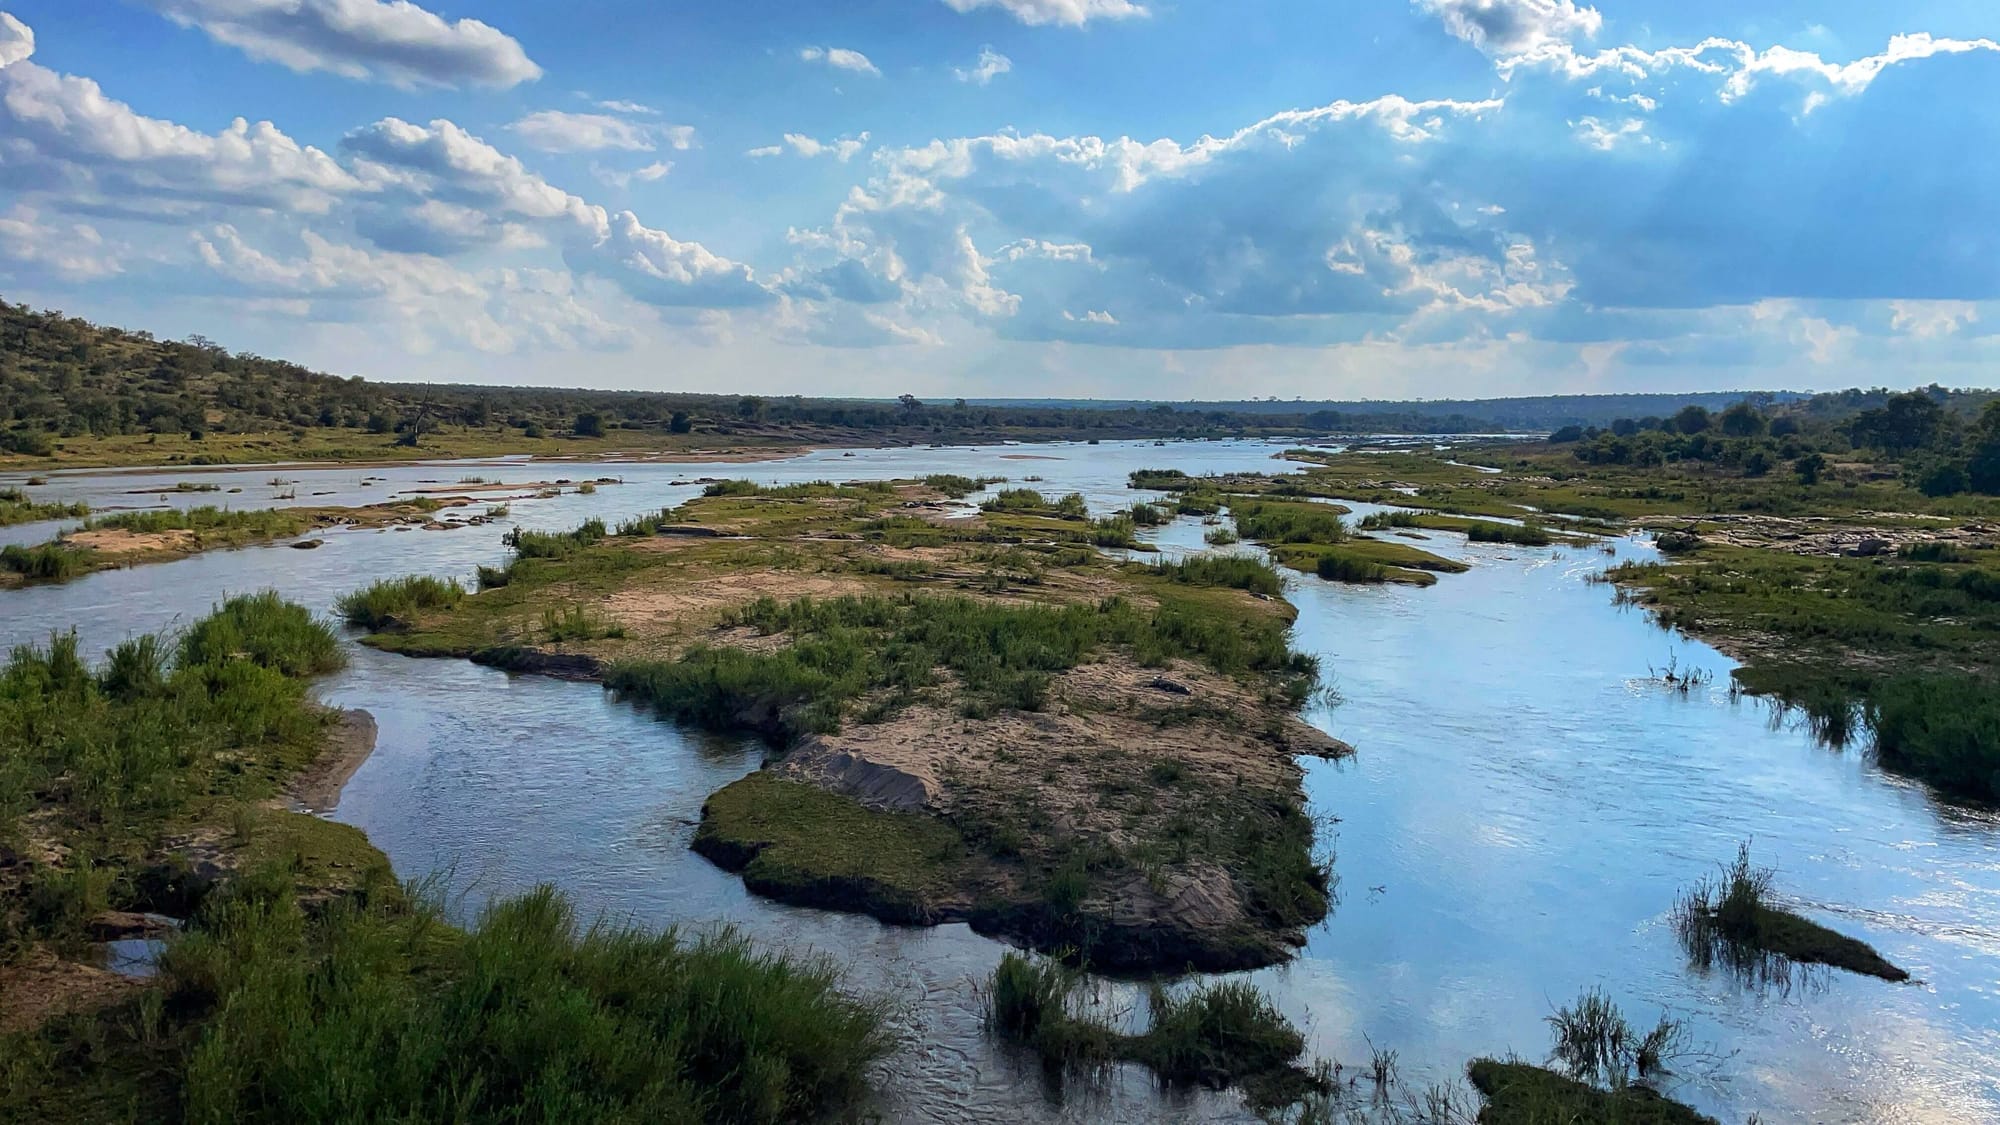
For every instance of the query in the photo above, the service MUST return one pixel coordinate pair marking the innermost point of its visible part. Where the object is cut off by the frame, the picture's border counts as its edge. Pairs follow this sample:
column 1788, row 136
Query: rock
column 690, row 530
column 308, row 544
column 122, row 925
column 1171, row 687
column 1676, row 542
column 1872, row 547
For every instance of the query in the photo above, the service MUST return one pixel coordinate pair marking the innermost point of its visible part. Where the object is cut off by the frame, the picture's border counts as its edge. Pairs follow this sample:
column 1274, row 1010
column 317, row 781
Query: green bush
column 1234, row 571
column 49, row 562
column 1944, row 729
column 390, row 600
column 1277, row 522
column 360, row 1014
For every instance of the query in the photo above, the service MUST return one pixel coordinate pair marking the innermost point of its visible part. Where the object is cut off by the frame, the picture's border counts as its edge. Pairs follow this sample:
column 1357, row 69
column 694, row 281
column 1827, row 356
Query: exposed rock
column 1677, row 542
column 308, row 544
column 1171, row 687
column 1871, row 547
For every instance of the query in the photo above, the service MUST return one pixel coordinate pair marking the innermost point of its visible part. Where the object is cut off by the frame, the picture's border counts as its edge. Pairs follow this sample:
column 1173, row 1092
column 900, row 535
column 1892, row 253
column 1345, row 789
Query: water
column 1525, row 804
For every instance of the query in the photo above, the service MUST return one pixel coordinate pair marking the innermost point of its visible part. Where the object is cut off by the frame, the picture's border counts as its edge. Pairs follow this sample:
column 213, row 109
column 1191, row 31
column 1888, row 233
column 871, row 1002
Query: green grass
column 1730, row 920
column 959, row 487
column 207, row 520
column 1280, row 522
column 17, row 507
column 1944, row 729
column 49, row 562
column 802, row 844
column 1214, row 1035
column 1518, row 1093
column 1235, row 571
column 555, row 544
column 163, row 730
column 843, row 648
column 389, row 602
column 364, row 1010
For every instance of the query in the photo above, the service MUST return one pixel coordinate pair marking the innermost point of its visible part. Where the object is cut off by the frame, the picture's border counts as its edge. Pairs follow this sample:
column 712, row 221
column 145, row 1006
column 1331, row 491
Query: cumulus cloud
column 843, row 149
column 658, row 269
column 17, row 41
column 1065, row 13
column 443, row 161
column 64, row 132
column 650, row 173
column 74, row 252
column 391, row 40
column 991, row 64
column 840, row 58
column 553, row 130
column 1513, row 26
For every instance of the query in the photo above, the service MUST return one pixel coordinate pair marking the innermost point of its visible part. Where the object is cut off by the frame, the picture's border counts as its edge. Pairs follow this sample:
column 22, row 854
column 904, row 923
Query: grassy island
column 976, row 715
column 147, row 799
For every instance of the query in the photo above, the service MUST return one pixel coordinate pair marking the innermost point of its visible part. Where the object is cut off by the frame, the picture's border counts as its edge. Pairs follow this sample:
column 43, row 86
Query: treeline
column 64, row 377
column 1941, row 446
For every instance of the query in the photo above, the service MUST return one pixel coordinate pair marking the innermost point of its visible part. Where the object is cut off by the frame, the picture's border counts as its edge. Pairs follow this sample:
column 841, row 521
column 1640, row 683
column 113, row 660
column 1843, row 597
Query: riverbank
column 139, row 538
column 280, row 969
column 975, row 715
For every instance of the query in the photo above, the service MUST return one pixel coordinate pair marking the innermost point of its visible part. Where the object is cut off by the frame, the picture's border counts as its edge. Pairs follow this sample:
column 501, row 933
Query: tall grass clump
column 1269, row 522
column 1730, row 919
column 1384, row 521
column 1595, row 1044
column 1235, row 571
column 1216, row 1035
column 555, row 544
column 360, row 1013
column 17, row 507
column 390, row 601
column 1944, row 729
column 204, row 520
column 959, row 487
column 1522, row 535
column 110, row 754
column 1345, row 568
column 49, row 562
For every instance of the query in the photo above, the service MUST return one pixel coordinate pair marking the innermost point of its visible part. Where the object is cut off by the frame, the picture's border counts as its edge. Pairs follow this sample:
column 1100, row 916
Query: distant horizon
column 1403, row 200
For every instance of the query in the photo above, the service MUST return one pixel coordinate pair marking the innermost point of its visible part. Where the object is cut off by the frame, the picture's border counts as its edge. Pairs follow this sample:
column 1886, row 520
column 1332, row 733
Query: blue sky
column 1118, row 198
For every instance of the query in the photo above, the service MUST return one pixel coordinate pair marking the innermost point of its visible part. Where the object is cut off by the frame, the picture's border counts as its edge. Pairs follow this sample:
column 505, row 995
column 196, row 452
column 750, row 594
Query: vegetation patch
column 17, row 507
column 1214, row 1035
column 1604, row 1070
column 389, row 602
column 1730, row 920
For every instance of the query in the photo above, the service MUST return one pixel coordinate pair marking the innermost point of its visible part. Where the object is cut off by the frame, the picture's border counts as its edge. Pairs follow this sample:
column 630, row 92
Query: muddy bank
column 349, row 741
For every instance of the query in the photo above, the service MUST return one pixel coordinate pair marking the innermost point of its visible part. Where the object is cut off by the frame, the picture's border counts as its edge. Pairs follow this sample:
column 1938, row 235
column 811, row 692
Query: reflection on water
column 1524, row 806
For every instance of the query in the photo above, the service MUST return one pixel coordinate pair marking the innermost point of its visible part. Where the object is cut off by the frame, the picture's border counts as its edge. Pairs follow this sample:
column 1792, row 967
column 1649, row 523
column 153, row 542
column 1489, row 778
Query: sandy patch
column 349, row 742
column 701, row 601
column 117, row 541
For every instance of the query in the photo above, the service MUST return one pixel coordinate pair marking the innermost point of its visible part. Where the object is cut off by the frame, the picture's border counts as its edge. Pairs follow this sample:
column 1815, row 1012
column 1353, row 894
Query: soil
column 41, row 986
column 350, row 741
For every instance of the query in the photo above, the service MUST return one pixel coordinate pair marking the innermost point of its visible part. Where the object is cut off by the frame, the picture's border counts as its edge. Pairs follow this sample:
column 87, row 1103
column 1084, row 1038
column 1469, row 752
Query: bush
column 1944, row 729
column 266, row 630
column 1343, row 568
column 1269, row 522
column 391, row 600
column 1233, row 571
column 50, row 562
column 355, row 1014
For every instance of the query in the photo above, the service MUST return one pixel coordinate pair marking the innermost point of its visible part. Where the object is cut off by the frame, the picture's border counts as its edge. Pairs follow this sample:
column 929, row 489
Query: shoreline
column 350, row 742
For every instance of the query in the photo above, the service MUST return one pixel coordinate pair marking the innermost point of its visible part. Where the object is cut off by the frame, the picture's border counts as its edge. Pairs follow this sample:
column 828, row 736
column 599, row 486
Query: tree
column 1743, row 420
column 1566, row 434
column 910, row 402
column 1691, row 419
column 589, row 426
column 680, row 423
column 1982, row 467
column 1944, row 478
column 749, row 406
column 1810, row 468
column 1912, row 420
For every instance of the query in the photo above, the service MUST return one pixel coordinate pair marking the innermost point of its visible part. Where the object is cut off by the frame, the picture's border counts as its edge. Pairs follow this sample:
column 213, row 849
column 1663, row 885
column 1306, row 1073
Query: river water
column 1525, row 804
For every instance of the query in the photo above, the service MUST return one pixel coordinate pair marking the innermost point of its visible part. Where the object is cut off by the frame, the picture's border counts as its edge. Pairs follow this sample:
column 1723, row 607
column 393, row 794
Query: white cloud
column 553, row 130
column 393, row 40
column 1065, row 13
column 840, row 58
column 843, row 149
column 1605, row 137
column 73, row 252
column 650, row 173
column 17, row 41
column 991, row 65
column 637, row 109
column 444, row 161
column 63, row 131
column 1513, row 26
column 1094, row 316
column 658, row 269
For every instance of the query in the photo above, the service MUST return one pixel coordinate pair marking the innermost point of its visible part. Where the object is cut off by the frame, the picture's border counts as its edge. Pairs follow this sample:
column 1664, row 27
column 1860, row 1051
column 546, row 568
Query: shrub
column 355, row 1014
column 1269, row 522
column 1233, row 571
column 1344, row 568
column 50, row 562
column 1944, row 729
column 391, row 600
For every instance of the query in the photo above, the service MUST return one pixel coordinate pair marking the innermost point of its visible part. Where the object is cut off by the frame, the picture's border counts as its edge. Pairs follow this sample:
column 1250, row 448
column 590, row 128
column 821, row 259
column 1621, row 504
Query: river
column 1525, row 804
